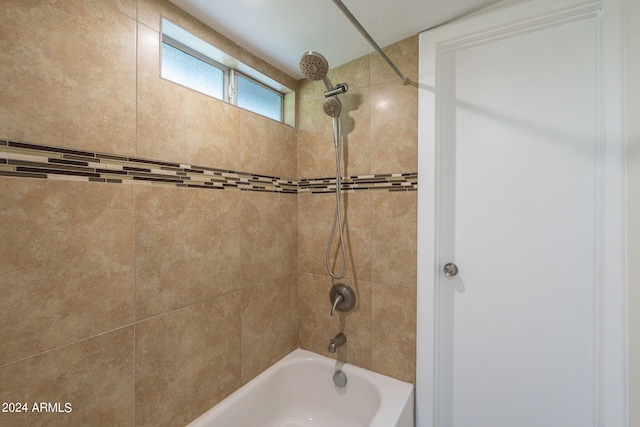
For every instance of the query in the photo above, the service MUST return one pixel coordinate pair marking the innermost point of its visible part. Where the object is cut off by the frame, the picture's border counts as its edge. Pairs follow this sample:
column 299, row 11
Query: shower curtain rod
column 372, row 42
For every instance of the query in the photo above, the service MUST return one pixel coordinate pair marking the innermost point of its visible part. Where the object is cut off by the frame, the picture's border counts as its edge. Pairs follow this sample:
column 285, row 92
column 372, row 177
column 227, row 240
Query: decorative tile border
column 39, row 161
column 19, row 159
column 388, row 182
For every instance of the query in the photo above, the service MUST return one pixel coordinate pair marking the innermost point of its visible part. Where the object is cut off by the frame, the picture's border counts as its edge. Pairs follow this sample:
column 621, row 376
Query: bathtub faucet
column 336, row 342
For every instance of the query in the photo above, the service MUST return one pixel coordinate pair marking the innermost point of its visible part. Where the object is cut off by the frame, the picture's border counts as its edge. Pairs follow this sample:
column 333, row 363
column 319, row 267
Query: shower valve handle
column 338, row 300
column 342, row 298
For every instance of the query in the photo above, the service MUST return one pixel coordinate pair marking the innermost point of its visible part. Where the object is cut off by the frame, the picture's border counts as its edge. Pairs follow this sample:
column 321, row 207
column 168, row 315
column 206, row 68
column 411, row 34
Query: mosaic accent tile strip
column 38, row 161
column 19, row 159
column 387, row 182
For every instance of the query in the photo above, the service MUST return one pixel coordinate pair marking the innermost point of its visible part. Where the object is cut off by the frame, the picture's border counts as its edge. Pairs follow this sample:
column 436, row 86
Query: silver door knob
column 450, row 270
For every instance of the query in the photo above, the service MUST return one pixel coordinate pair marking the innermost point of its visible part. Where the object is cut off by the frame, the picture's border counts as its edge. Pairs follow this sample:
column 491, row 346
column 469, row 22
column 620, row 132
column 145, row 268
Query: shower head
column 315, row 67
column 332, row 106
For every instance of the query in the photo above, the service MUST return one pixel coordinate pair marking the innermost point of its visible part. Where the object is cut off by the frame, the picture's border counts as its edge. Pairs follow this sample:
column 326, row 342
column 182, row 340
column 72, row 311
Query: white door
column 518, row 206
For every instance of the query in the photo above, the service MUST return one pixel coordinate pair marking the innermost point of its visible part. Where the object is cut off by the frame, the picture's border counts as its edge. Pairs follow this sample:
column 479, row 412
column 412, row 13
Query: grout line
column 31, row 356
column 191, row 304
column 131, row 324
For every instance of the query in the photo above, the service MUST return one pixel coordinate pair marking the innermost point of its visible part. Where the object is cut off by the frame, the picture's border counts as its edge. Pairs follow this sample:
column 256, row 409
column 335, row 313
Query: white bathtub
column 298, row 391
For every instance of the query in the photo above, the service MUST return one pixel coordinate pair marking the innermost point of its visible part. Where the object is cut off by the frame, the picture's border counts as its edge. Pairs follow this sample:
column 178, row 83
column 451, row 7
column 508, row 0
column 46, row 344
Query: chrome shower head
column 332, row 106
column 315, row 67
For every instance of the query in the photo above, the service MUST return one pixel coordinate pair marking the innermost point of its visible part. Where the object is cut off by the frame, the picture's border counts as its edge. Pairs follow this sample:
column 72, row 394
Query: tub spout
column 336, row 342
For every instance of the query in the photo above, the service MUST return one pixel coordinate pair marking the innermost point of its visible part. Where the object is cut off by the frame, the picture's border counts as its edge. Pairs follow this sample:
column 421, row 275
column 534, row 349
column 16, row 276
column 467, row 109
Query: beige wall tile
column 69, row 80
column 151, row 11
column 315, row 217
column 356, row 208
column 356, row 133
column 289, row 167
column 394, row 128
column 192, row 250
column 187, row 361
column 394, row 331
column 66, row 256
column 316, row 155
column 354, row 117
column 379, row 117
column 179, row 124
column 394, row 238
column 94, row 376
column 269, row 236
column 309, row 89
column 380, row 127
column 317, row 327
column 355, row 73
column 269, row 319
column 267, row 147
column 128, row 7
column 315, row 213
column 187, row 246
column 404, row 54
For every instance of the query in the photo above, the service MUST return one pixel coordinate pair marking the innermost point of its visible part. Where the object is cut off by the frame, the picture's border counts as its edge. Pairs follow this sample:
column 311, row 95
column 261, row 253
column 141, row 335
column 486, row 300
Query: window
column 258, row 98
column 191, row 62
column 191, row 71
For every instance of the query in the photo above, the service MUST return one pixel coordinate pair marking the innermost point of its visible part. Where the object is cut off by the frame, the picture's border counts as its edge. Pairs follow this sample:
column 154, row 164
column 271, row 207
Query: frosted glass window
column 196, row 64
column 257, row 98
column 192, row 72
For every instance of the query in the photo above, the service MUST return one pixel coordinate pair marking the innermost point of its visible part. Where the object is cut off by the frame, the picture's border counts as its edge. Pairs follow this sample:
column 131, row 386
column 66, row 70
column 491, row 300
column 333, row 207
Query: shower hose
column 337, row 218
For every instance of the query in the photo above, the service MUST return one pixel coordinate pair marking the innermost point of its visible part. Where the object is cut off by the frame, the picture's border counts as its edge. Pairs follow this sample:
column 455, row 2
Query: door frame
column 511, row 18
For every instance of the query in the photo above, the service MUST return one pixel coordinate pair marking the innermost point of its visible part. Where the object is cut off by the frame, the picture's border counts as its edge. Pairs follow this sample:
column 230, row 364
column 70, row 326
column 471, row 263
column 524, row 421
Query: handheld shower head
column 332, row 106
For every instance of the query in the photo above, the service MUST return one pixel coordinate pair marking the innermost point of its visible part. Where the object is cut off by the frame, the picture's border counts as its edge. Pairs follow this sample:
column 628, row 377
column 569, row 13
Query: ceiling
column 280, row 31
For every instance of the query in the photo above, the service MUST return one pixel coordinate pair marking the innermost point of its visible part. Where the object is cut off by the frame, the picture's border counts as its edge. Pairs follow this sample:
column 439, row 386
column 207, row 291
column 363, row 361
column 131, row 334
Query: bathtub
column 298, row 391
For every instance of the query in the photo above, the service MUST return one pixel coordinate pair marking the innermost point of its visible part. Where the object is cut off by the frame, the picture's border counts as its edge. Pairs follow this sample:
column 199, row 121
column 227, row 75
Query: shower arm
column 372, row 42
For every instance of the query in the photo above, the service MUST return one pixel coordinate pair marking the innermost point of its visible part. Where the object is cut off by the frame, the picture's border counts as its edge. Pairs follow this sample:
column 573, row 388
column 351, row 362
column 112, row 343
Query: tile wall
column 380, row 125
column 123, row 282
column 138, row 304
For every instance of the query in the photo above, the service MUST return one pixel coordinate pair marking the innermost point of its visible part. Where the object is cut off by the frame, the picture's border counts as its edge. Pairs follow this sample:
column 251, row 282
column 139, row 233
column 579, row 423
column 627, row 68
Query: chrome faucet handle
column 338, row 300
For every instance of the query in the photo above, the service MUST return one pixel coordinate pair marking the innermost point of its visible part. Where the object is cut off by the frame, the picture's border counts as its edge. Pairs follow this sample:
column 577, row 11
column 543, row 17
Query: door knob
column 450, row 270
